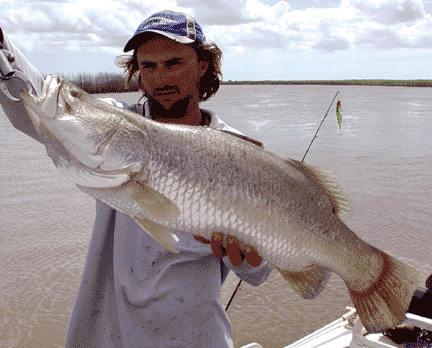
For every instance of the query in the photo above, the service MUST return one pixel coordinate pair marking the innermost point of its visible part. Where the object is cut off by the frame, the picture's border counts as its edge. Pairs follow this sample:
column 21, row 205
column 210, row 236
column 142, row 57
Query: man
column 134, row 292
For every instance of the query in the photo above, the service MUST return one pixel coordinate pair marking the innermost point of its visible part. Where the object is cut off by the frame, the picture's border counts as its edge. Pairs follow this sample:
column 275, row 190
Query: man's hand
column 235, row 254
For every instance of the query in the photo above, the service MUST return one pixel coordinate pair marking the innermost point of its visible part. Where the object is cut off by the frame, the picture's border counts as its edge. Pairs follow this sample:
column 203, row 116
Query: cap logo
column 157, row 21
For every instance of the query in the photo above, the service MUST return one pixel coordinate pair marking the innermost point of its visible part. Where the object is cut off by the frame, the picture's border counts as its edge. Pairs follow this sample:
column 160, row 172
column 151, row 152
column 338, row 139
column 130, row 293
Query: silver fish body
column 201, row 180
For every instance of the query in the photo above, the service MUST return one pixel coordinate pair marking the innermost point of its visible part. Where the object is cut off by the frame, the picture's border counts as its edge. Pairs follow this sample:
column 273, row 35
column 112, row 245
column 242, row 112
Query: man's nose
column 161, row 75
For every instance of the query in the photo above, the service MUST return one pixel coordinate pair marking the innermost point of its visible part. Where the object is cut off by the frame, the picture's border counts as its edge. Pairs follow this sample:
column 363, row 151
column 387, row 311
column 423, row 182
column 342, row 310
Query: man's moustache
column 166, row 90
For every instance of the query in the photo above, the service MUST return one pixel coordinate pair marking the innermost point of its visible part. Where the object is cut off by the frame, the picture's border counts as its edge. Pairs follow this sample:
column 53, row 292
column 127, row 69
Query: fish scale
column 201, row 180
column 269, row 247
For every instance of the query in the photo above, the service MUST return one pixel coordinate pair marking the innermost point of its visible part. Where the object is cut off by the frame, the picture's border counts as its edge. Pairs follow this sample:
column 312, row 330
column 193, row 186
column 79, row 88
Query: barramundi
column 202, row 180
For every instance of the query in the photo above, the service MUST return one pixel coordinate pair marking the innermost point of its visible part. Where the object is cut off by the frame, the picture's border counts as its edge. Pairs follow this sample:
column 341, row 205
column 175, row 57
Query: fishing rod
column 320, row 125
column 238, row 285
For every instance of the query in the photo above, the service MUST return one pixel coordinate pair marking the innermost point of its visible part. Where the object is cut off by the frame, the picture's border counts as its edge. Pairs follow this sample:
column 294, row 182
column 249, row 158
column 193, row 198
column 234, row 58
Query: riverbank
column 115, row 83
column 101, row 83
column 353, row 82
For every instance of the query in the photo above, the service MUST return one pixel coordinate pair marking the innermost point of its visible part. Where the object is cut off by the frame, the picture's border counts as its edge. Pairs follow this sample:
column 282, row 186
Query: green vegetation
column 365, row 82
column 115, row 83
column 101, row 83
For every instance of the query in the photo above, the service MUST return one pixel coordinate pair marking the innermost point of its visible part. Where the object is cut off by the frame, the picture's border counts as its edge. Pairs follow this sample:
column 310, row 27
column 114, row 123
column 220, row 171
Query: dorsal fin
column 244, row 137
column 334, row 188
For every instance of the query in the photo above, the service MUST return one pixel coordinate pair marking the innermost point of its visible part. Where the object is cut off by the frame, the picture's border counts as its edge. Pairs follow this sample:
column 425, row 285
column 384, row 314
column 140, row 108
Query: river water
column 383, row 154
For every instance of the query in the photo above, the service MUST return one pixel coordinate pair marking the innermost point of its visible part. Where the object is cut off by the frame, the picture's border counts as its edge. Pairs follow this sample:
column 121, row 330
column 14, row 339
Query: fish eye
column 74, row 94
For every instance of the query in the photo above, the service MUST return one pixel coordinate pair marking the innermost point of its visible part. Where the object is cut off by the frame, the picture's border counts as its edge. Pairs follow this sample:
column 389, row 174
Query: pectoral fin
column 136, row 200
column 159, row 233
column 308, row 283
column 154, row 202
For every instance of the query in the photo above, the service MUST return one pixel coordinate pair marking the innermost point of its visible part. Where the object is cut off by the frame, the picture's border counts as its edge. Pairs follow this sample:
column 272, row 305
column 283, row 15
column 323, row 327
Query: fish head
column 58, row 98
column 44, row 106
column 80, row 131
column 67, row 112
column 62, row 111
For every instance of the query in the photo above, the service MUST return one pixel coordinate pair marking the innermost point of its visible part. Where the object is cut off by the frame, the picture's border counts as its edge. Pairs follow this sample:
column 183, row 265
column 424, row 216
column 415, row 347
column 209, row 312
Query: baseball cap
column 176, row 26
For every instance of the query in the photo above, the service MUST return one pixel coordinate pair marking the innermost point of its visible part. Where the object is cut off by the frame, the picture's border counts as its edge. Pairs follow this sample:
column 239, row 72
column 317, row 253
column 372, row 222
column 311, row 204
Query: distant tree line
column 361, row 82
column 115, row 83
column 101, row 83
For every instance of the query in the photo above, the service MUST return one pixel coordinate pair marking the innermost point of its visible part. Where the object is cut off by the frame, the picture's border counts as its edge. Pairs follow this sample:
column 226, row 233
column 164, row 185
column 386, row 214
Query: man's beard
column 176, row 110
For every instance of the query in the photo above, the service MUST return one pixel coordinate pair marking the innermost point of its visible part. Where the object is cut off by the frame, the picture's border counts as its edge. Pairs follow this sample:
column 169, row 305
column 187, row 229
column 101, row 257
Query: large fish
column 200, row 180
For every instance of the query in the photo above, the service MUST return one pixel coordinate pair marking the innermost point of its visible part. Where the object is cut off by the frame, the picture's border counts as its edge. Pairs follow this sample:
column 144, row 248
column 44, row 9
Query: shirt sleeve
column 253, row 275
column 16, row 111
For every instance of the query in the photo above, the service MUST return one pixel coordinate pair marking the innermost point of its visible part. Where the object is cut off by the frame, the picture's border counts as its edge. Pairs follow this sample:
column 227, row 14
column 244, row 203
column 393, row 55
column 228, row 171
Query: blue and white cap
column 177, row 26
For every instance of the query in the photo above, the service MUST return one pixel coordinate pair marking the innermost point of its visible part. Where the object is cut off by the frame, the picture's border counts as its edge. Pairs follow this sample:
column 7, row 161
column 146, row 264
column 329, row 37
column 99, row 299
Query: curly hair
column 208, row 52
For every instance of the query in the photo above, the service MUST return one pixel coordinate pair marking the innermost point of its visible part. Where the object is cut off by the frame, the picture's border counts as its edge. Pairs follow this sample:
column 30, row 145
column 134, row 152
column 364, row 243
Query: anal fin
column 308, row 283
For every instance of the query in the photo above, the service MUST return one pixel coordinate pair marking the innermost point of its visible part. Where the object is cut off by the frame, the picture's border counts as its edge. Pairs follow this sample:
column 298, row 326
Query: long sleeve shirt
column 134, row 292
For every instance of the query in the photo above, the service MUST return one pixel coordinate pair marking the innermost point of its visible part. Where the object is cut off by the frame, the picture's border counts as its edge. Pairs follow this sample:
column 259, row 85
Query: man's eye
column 173, row 63
column 147, row 65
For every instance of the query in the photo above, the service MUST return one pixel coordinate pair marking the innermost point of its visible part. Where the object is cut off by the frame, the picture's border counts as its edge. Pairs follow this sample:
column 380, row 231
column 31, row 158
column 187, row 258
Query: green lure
column 339, row 115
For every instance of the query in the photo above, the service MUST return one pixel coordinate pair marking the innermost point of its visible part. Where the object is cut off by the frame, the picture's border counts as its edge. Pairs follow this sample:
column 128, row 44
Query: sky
column 260, row 39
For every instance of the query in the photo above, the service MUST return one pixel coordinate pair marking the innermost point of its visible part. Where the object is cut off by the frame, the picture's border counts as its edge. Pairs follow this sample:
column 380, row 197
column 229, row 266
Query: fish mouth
column 51, row 85
column 51, row 96
column 43, row 107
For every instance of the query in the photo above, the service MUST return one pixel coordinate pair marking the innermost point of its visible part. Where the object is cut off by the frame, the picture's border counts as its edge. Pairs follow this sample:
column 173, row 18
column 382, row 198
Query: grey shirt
column 134, row 292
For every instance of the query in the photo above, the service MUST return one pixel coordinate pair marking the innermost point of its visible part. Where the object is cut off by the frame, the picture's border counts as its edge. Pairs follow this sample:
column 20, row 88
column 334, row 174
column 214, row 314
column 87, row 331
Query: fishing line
column 320, row 125
column 238, row 285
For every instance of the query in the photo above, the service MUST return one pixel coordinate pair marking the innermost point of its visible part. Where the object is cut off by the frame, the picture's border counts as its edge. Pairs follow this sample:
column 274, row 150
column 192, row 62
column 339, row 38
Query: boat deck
column 348, row 332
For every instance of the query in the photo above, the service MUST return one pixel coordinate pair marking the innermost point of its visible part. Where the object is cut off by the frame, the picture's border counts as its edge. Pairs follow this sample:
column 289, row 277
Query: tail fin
column 385, row 303
column 308, row 283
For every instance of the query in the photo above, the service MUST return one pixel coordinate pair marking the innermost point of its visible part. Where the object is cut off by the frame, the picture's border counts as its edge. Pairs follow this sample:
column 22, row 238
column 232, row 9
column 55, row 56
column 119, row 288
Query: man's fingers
column 233, row 251
column 251, row 255
column 217, row 245
column 201, row 239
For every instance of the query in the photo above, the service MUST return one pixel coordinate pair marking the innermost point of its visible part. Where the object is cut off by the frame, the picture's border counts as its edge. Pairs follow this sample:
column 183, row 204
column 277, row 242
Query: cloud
column 386, row 39
column 391, row 11
column 263, row 39
column 381, row 24
column 425, row 42
column 383, row 39
column 414, row 35
column 50, row 1
column 332, row 45
column 269, row 13
column 219, row 12
column 294, row 25
column 306, row 4
column 56, row 24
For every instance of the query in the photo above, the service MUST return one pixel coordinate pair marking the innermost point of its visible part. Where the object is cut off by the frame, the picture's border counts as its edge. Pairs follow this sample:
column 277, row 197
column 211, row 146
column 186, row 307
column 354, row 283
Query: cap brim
column 138, row 39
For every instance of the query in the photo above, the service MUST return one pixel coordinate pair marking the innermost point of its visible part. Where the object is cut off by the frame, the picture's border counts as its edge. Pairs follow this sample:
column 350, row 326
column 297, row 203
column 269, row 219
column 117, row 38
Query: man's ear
column 203, row 67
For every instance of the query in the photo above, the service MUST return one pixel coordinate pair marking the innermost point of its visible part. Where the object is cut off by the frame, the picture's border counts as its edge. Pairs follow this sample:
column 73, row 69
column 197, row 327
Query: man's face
column 169, row 71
